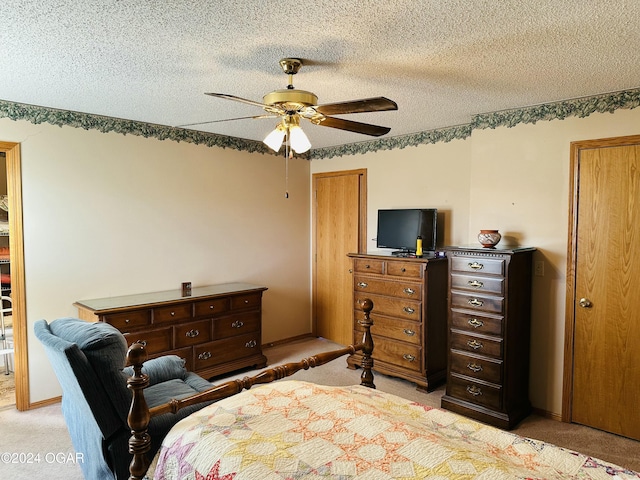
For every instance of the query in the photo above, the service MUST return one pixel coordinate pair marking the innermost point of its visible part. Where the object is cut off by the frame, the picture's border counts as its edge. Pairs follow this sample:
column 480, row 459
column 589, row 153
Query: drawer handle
column 409, row 291
column 473, row 390
column 403, row 269
column 367, row 266
column 474, row 302
column 173, row 314
column 251, row 344
column 408, row 310
column 211, row 307
column 204, row 356
column 237, row 324
column 363, row 284
column 142, row 342
column 246, row 302
column 127, row 320
column 476, row 266
column 193, row 333
column 475, row 284
column 408, row 357
column 474, row 367
column 409, row 333
column 475, row 323
column 474, row 344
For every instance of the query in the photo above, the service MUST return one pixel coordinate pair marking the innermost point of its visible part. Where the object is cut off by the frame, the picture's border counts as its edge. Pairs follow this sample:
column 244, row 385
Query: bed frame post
column 139, row 417
column 366, row 378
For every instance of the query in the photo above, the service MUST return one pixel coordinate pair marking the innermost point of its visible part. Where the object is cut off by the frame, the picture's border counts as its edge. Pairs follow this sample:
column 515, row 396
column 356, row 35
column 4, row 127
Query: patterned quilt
column 297, row 430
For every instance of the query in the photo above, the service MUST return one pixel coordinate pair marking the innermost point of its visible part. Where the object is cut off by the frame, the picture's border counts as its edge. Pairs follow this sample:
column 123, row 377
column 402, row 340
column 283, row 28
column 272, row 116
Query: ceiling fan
column 290, row 105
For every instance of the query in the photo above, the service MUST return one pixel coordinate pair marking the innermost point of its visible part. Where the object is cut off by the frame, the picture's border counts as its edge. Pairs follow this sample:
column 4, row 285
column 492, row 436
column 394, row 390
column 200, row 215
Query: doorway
column 602, row 361
column 339, row 228
column 16, row 259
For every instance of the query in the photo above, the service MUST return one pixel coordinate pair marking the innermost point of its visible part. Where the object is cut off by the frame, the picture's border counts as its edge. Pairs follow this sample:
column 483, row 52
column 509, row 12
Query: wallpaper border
column 580, row 107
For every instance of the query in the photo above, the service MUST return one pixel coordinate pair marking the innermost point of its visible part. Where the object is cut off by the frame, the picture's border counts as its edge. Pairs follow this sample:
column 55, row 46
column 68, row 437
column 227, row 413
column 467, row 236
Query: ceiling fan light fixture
column 275, row 138
column 299, row 141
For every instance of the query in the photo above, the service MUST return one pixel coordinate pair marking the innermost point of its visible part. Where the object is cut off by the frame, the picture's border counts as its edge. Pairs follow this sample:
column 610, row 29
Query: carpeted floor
column 42, row 431
column 7, row 389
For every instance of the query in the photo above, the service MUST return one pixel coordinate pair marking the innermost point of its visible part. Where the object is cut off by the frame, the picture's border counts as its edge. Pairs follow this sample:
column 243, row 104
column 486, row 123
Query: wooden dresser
column 409, row 315
column 489, row 324
column 217, row 329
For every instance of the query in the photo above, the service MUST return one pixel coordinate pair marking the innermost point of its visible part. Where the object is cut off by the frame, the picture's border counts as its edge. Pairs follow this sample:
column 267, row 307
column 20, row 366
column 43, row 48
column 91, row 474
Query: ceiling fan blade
column 227, row 120
column 376, row 104
column 351, row 126
column 264, row 106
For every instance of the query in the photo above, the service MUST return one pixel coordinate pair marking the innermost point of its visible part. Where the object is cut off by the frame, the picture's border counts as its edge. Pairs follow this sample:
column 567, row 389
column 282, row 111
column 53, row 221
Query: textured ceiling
column 442, row 61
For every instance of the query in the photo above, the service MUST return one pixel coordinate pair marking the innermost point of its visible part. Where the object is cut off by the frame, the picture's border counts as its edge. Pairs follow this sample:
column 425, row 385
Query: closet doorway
column 602, row 359
column 18, row 317
column 339, row 228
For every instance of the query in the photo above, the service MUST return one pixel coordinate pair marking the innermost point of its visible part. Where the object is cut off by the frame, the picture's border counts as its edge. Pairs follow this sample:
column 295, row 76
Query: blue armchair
column 89, row 362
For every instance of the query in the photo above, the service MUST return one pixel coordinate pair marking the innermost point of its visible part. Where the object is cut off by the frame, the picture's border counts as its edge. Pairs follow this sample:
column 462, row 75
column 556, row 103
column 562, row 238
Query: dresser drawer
column 246, row 301
column 400, row 354
column 129, row 320
column 477, row 323
column 477, row 367
column 477, row 283
column 210, row 307
column 238, row 324
column 405, row 269
column 489, row 266
column 222, row 351
column 155, row 341
column 361, row 265
column 481, row 303
column 192, row 333
column 477, row 344
column 172, row 313
column 475, row 391
column 386, row 287
column 394, row 328
column 394, row 307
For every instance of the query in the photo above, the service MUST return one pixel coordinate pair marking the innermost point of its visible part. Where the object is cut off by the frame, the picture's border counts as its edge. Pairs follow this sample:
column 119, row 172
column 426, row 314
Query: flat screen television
column 399, row 229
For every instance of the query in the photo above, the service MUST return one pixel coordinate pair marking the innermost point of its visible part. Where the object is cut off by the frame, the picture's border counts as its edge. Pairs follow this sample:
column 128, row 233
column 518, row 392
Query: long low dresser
column 217, row 329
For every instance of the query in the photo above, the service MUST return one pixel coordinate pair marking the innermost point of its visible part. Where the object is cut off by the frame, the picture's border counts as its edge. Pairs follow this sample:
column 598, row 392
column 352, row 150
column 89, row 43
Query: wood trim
column 16, row 242
column 289, row 340
column 576, row 148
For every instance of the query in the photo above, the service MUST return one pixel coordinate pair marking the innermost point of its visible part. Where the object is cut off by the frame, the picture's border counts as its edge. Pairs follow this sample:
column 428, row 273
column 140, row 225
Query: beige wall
column 108, row 214
column 514, row 179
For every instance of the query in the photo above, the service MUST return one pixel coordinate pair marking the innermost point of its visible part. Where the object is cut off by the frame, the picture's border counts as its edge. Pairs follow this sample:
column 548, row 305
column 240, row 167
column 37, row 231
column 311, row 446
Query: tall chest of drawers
column 489, row 331
column 409, row 316
column 217, row 329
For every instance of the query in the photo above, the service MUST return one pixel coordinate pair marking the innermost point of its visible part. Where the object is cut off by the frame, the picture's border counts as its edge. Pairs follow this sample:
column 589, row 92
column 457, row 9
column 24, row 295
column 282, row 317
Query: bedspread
column 298, row 430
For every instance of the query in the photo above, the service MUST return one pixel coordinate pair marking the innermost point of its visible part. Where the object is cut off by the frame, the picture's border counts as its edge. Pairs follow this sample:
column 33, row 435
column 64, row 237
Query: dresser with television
column 409, row 315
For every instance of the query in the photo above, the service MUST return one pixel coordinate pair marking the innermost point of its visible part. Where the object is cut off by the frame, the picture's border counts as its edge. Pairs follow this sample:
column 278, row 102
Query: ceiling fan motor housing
column 290, row 99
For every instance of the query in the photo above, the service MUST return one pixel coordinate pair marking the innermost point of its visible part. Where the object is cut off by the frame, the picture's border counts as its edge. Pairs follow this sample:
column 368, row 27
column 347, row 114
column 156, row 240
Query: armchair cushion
column 161, row 369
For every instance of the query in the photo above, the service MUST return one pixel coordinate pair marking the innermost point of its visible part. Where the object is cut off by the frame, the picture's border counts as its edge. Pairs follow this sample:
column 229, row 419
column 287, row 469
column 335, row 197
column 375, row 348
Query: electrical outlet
column 539, row 270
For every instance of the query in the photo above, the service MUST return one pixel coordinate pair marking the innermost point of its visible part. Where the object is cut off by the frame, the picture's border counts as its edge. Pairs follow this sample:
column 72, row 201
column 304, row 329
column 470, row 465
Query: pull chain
column 287, row 154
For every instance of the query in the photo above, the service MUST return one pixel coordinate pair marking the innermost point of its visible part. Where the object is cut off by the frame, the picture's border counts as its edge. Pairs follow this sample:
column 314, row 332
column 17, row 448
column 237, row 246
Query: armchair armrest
column 161, row 369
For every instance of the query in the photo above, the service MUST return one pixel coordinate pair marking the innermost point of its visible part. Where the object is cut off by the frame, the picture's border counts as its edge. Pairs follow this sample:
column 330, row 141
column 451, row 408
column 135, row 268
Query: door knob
column 585, row 303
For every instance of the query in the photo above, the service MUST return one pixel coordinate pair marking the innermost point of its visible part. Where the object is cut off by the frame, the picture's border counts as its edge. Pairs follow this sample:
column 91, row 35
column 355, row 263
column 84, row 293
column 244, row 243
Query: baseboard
column 547, row 414
column 45, row 403
column 284, row 341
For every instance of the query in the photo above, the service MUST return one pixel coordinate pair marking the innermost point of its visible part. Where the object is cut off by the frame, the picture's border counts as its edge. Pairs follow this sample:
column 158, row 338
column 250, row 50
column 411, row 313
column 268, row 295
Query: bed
column 292, row 429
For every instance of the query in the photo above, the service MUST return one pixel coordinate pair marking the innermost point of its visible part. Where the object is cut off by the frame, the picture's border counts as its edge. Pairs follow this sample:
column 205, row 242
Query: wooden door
column 339, row 225
column 606, row 297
